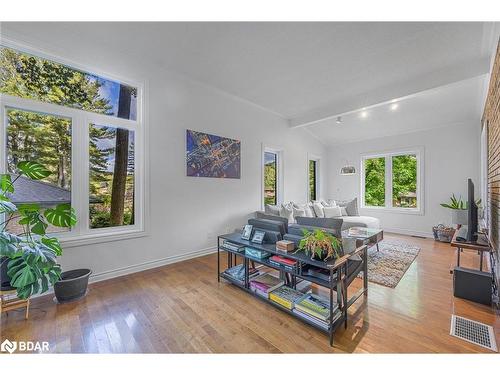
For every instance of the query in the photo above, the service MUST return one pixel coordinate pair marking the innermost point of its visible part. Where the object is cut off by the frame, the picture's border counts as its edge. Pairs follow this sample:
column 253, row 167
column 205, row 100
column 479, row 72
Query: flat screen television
column 472, row 213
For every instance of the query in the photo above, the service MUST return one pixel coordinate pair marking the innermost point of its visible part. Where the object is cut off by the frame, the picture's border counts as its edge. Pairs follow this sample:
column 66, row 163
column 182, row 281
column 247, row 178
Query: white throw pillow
column 332, row 211
column 298, row 212
column 343, row 211
column 286, row 210
column 272, row 209
column 307, row 208
column 328, row 203
column 318, row 209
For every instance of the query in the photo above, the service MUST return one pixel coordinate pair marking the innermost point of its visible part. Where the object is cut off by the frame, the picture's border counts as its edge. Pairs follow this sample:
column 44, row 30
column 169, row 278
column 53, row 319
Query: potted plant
column 458, row 209
column 30, row 254
column 320, row 245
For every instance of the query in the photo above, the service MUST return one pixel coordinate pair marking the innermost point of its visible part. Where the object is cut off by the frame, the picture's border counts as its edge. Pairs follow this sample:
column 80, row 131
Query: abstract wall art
column 210, row 155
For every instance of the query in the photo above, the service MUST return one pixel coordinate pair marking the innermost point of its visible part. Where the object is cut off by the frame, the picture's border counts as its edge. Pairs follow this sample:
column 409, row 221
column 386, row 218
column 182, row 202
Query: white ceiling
column 449, row 105
column 304, row 72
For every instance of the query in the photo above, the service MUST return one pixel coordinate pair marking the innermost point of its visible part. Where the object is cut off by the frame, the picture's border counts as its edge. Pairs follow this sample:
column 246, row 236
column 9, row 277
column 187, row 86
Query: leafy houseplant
column 320, row 245
column 32, row 254
column 459, row 209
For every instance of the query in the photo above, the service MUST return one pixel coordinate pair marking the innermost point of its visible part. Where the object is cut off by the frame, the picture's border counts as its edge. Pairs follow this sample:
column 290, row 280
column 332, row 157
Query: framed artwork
column 247, row 232
column 210, row 155
column 258, row 236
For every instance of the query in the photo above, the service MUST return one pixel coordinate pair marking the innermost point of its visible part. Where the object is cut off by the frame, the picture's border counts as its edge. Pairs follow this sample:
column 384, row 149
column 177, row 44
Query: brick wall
column 491, row 116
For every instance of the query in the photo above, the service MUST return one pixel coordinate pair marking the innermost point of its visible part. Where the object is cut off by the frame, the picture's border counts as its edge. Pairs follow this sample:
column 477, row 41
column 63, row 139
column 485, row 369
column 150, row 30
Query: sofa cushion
column 332, row 212
column 298, row 230
column 272, row 209
column 318, row 209
column 332, row 224
column 360, row 221
column 351, row 206
column 307, row 209
column 263, row 215
column 286, row 210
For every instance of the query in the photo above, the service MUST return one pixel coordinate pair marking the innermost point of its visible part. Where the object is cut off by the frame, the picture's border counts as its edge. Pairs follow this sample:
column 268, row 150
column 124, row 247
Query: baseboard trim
column 101, row 276
column 408, row 232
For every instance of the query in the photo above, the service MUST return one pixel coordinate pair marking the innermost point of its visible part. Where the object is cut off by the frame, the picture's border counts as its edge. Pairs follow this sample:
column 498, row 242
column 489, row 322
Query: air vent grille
column 474, row 332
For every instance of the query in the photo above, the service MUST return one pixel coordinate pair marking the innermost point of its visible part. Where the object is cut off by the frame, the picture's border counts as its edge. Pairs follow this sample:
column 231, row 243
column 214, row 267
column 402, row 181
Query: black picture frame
column 247, row 232
column 258, row 236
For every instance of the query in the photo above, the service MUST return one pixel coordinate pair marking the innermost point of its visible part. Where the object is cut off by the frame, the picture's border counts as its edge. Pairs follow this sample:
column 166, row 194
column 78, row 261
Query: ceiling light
column 394, row 106
column 339, row 119
column 364, row 114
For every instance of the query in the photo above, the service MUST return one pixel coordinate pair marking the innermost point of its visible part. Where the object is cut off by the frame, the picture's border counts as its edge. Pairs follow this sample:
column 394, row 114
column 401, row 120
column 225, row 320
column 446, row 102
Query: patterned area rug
column 387, row 266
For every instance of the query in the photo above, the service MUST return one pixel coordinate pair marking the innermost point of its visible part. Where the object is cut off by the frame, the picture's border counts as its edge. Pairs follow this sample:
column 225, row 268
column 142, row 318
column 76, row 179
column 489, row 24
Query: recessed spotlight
column 394, row 106
column 364, row 114
column 339, row 119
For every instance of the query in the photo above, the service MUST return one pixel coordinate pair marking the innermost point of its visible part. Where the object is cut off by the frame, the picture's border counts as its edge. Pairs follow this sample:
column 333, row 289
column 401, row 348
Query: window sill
column 406, row 211
column 89, row 239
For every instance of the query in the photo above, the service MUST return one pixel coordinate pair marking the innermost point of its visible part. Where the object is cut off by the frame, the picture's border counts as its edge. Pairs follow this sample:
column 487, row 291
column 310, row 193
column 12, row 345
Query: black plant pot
column 72, row 286
column 4, row 278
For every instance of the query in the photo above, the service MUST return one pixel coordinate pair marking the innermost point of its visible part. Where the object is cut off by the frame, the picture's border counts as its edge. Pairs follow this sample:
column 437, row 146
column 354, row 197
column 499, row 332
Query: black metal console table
column 337, row 276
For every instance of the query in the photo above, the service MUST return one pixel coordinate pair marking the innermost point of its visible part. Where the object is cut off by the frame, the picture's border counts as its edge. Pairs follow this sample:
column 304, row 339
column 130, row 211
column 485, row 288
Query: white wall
column 451, row 156
column 186, row 213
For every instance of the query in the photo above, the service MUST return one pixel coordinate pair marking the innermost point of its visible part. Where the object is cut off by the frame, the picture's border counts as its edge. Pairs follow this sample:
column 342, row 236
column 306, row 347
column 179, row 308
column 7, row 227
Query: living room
column 161, row 166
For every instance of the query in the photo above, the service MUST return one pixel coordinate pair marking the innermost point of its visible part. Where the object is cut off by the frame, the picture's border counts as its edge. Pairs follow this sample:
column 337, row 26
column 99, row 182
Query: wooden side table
column 7, row 304
column 481, row 248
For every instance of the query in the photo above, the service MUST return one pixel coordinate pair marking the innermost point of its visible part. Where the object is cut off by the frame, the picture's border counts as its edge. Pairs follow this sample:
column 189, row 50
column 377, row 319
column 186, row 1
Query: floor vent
column 474, row 332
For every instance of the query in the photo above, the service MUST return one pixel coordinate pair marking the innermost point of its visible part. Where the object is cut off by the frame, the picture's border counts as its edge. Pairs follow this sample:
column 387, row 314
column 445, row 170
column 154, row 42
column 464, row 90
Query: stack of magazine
column 285, row 296
column 238, row 273
column 316, row 309
column 265, row 284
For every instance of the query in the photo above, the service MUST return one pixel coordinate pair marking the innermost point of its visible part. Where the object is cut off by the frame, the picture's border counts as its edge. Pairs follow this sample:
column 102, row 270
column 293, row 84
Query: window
column 86, row 129
column 46, row 139
column 313, row 179
column 111, row 174
column 393, row 181
column 270, row 178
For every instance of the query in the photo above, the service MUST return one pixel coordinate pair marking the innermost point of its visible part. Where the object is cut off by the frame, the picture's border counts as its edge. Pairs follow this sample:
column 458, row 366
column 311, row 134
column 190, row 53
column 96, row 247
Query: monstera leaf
column 9, row 244
column 6, row 206
column 61, row 216
column 6, row 185
column 30, row 215
column 33, row 170
column 53, row 244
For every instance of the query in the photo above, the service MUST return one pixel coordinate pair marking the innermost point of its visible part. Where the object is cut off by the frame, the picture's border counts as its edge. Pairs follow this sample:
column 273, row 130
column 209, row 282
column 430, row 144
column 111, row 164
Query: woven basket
column 443, row 234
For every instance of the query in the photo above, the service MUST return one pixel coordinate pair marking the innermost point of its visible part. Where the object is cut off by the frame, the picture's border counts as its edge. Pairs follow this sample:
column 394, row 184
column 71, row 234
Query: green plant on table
column 32, row 254
column 320, row 245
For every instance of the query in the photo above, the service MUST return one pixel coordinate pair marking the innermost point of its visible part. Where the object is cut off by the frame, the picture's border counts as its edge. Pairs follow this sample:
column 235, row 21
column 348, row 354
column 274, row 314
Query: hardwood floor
column 182, row 308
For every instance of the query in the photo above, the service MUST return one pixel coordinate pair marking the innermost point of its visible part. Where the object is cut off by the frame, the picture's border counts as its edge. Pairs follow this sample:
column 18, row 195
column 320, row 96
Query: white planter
column 459, row 217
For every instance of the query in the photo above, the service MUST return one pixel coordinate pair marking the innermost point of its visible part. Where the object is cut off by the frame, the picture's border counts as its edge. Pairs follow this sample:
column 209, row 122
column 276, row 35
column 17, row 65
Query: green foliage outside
column 375, row 182
column 270, row 187
column 47, row 138
column 312, row 180
column 404, row 181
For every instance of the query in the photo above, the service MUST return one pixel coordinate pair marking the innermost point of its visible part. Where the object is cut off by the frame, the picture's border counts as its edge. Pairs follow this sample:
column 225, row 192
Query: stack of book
column 287, row 264
column 233, row 246
column 316, row 309
column 256, row 254
column 265, row 284
column 238, row 273
column 285, row 246
column 285, row 296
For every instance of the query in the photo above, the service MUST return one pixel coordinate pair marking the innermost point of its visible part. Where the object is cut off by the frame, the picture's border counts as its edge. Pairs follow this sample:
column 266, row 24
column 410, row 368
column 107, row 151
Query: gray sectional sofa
column 320, row 214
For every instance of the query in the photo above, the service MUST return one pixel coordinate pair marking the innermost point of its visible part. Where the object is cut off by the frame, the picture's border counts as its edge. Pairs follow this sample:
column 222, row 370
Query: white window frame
column 278, row 151
column 419, row 152
column 82, row 234
column 317, row 159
